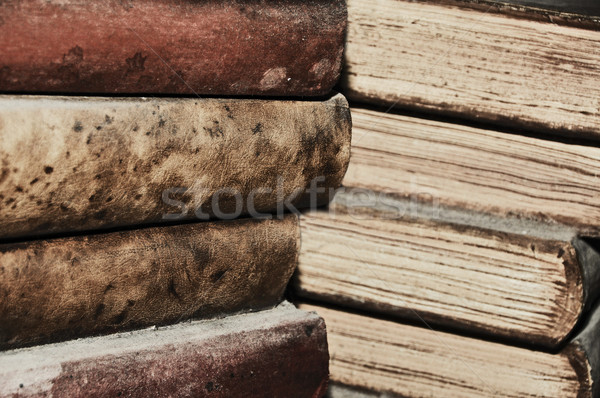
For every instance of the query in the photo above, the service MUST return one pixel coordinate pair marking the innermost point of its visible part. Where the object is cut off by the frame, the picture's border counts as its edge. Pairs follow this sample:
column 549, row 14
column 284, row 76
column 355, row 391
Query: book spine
column 275, row 353
column 87, row 163
column 64, row 288
column 291, row 47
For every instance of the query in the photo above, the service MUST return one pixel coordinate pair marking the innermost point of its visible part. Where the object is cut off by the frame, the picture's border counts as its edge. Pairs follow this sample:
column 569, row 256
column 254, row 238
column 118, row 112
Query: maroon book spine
column 215, row 47
column 274, row 353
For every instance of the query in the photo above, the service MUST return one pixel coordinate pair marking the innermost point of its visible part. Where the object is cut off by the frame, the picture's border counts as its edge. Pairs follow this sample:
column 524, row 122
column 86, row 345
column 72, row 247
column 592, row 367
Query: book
column 64, row 288
column 573, row 7
column 276, row 353
column 88, row 163
column 289, row 47
column 477, row 63
column 477, row 169
column 395, row 359
column 521, row 281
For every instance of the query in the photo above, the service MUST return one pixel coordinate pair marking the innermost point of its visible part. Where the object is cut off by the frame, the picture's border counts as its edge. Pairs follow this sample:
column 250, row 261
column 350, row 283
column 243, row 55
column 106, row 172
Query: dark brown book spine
column 275, row 353
column 71, row 287
column 290, row 47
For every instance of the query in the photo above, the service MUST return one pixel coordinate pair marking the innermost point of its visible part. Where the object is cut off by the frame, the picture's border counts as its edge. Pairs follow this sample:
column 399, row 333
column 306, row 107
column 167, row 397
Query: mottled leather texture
column 58, row 289
column 81, row 164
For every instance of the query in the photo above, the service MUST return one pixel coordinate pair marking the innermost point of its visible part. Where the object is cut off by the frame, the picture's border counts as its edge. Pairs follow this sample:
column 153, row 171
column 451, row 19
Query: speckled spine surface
column 86, row 163
column 232, row 47
column 57, row 289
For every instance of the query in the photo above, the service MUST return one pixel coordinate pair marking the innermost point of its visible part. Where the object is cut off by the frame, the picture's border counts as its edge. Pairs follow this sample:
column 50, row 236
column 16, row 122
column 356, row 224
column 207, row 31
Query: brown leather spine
column 71, row 287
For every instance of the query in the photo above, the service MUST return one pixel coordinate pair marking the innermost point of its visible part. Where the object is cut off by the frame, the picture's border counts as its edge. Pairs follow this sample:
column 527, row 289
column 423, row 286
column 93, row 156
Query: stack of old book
column 163, row 220
column 461, row 260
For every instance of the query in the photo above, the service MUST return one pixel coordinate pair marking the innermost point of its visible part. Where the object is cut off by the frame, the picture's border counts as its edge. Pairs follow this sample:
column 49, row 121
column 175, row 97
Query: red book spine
column 229, row 47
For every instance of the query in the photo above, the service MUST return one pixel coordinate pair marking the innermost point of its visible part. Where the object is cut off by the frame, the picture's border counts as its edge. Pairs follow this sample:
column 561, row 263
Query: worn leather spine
column 86, row 163
column 274, row 353
column 57, row 289
column 290, row 47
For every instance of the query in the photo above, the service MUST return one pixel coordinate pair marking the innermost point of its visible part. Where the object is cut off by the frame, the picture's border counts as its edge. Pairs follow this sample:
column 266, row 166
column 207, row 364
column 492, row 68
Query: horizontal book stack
column 153, row 158
column 462, row 259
